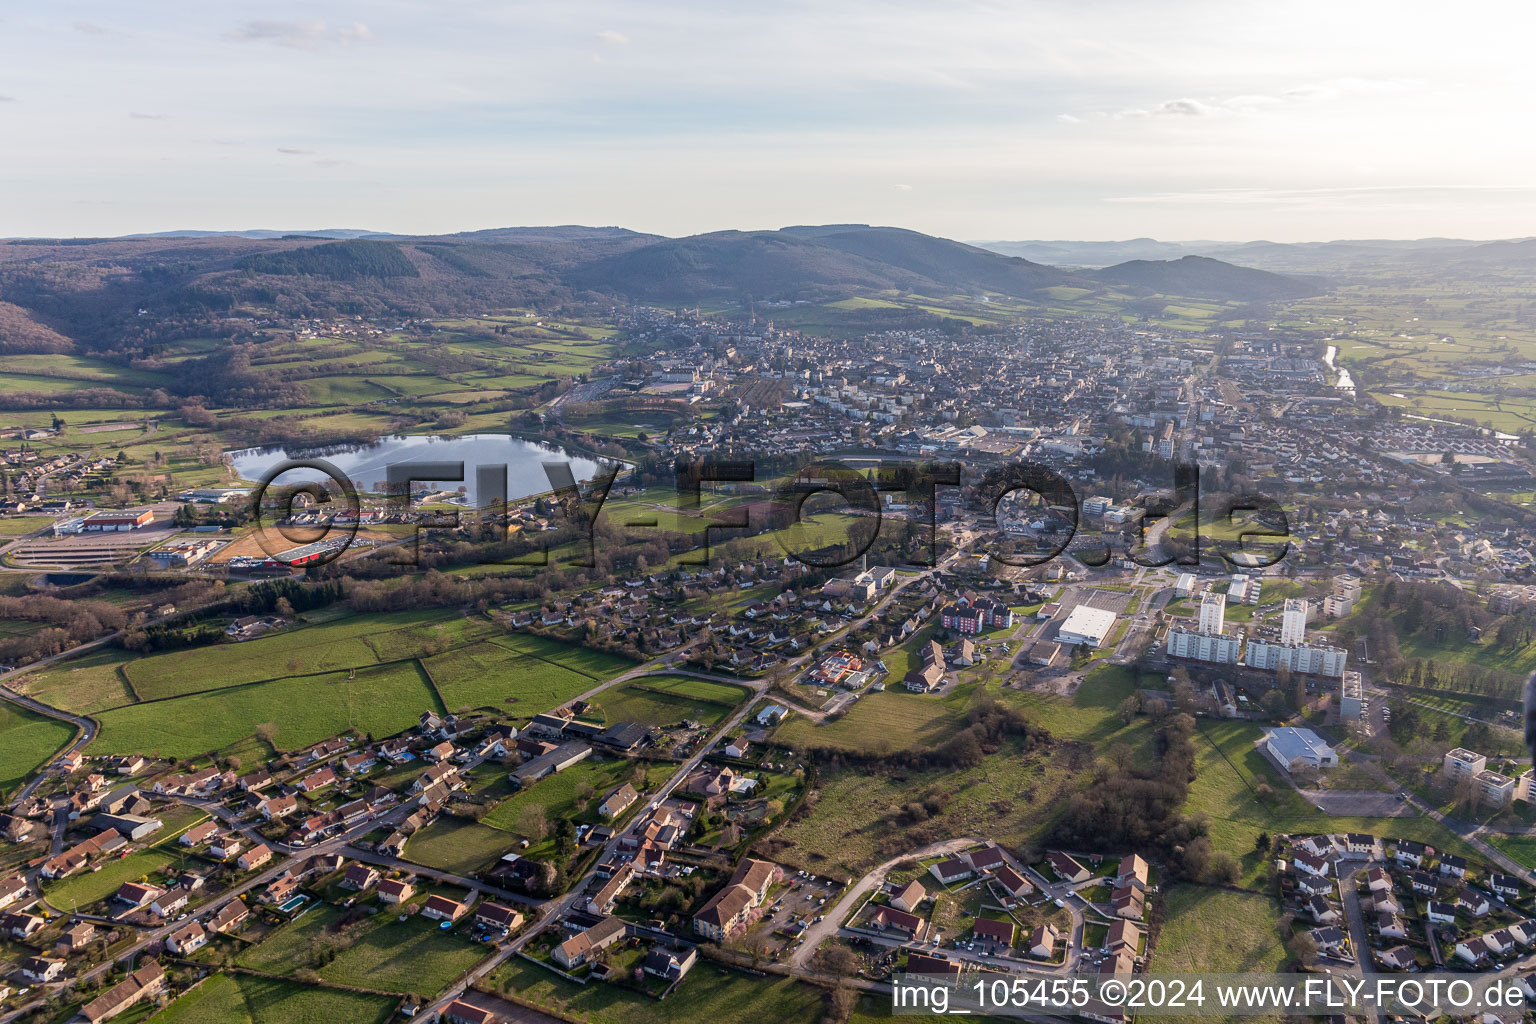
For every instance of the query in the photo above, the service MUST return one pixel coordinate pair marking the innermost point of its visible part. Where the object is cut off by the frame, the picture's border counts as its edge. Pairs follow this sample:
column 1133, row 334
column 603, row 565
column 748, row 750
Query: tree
column 1223, row 869
column 533, row 822
column 1261, row 842
column 1302, row 947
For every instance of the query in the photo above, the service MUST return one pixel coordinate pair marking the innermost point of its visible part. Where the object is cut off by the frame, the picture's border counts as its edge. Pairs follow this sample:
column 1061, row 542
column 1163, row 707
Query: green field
column 666, row 700
column 353, row 642
column 884, row 722
column 1218, row 931
column 382, row 952
column 84, row 889
column 87, row 685
column 380, row 701
column 710, row 994
column 859, row 816
column 413, row 955
column 1228, row 773
column 560, row 794
column 459, row 846
column 18, row 526
column 489, row 675
column 26, row 741
column 1521, row 848
column 243, row 999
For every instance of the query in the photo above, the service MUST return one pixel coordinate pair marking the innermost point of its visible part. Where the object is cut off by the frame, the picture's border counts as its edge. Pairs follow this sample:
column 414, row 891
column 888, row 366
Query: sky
column 1040, row 119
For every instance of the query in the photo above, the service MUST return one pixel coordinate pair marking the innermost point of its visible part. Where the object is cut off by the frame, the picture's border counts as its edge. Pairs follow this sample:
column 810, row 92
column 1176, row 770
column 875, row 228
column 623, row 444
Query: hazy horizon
column 1051, row 121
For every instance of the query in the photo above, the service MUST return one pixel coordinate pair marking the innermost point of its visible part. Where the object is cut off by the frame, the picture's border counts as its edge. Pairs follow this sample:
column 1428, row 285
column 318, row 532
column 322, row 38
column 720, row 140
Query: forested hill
column 114, row 293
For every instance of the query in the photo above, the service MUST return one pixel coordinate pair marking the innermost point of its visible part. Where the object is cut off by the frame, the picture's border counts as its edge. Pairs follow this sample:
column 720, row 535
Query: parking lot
column 793, row 908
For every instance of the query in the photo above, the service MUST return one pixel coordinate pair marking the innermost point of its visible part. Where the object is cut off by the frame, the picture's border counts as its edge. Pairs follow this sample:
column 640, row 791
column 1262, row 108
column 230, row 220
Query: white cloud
column 294, row 151
column 1174, row 108
column 135, row 115
column 90, row 28
column 902, row 188
column 1069, row 119
column 613, row 38
column 300, row 34
column 357, row 32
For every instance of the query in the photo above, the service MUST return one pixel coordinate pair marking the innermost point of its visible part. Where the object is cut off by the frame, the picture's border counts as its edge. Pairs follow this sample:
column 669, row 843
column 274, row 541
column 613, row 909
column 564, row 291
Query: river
column 1344, row 382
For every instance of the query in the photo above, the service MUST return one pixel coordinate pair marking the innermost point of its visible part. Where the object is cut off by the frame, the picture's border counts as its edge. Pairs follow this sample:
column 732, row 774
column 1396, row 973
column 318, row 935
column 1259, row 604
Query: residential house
column 187, row 940
column 442, row 908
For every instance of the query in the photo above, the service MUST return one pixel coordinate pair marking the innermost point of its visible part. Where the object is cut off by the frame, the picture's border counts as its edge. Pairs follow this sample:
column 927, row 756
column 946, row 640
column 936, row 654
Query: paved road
column 1359, row 935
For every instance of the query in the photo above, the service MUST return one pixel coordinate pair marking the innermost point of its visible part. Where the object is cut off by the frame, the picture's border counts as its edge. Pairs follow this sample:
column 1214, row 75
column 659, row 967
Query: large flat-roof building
column 1085, row 625
column 110, row 522
column 1288, row 745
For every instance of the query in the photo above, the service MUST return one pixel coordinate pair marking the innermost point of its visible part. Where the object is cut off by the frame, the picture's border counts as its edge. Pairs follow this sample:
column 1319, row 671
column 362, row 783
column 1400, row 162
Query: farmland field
column 30, row 739
column 666, row 700
column 243, row 999
column 489, row 675
column 380, row 701
column 89, row 684
column 343, row 643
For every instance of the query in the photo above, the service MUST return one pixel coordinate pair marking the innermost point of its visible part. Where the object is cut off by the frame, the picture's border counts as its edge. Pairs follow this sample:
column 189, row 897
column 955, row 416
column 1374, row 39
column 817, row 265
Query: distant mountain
column 1205, row 278
column 265, row 233
column 811, row 263
column 1282, row 257
column 1099, row 254
column 91, row 291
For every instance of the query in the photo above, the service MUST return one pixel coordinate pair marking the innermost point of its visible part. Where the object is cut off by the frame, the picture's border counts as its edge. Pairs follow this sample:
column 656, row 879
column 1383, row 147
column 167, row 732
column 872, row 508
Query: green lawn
column 413, row 955
column 26, row 741
column 380, row 701
column 457, row 845
column 84, row 889
column 710, row 994
column 243, row 999
column 1521, row 848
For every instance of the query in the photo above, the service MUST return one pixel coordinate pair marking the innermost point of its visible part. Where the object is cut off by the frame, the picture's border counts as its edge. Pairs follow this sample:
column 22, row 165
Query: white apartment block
column 1462, row 763
column 1304, row 658
column 1293, row 622
column 1495, row 790
column 1213, row 613
column 1351, row 697
column 1212, row 647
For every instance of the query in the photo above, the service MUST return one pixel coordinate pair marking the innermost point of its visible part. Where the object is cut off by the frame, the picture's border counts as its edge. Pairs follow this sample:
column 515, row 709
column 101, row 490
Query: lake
column 367, row 465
